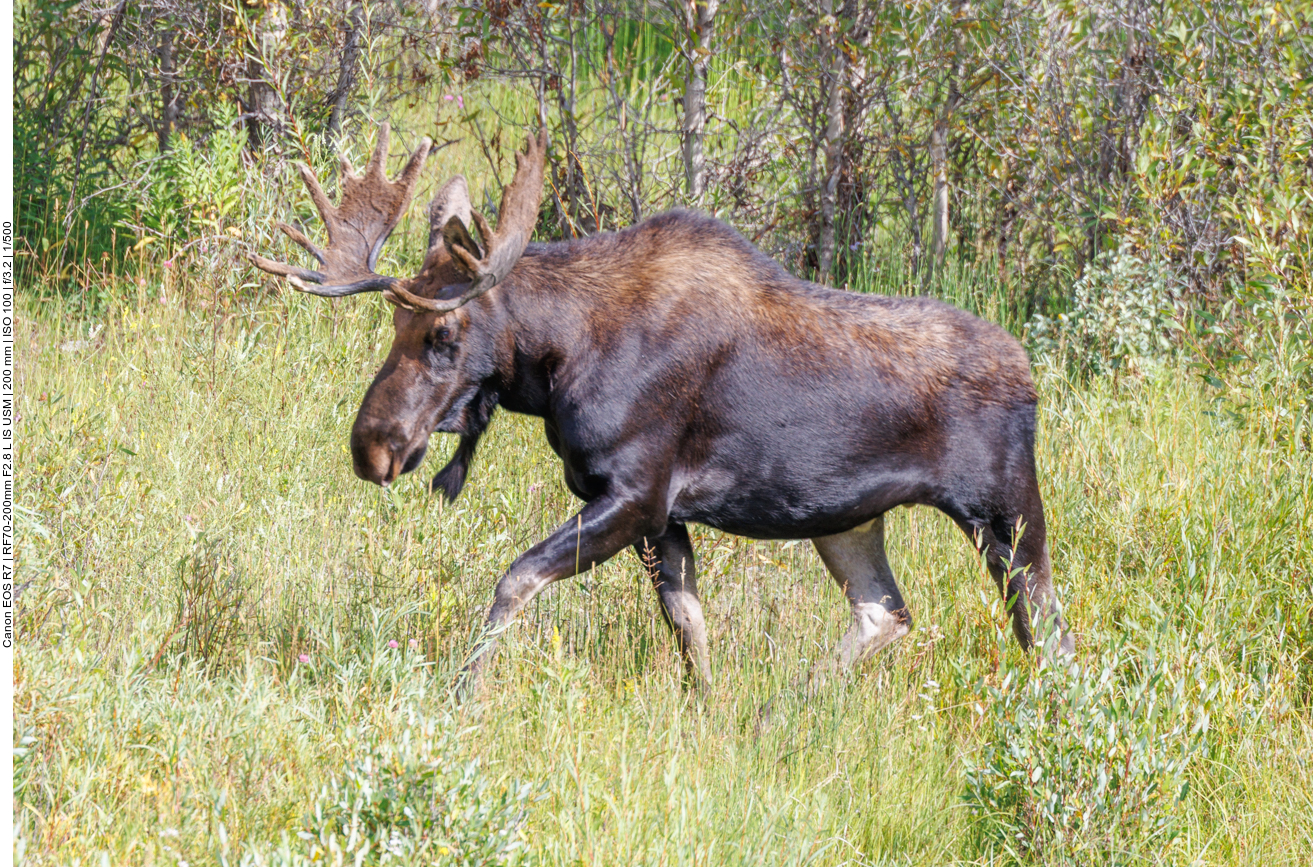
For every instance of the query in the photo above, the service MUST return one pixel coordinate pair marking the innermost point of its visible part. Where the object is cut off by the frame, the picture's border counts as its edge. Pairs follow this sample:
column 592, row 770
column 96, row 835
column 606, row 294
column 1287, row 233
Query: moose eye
column 439, row 335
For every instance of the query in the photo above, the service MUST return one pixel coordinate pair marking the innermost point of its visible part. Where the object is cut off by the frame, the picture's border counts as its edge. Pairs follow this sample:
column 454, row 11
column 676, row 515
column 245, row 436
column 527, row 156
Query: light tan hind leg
column 858, row 563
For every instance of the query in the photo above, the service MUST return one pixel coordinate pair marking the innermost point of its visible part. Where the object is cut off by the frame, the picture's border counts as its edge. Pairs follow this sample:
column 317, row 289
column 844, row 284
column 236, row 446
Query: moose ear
column 455, row 234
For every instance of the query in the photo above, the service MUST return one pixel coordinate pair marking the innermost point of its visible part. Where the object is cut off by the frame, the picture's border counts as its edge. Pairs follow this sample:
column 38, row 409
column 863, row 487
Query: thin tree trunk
column 836, row 80
column 346, row 73
column 169, row 91
column 265, row 116
column 631, row 144
column 699, row 17
column 939, row 197
column 115, row 22
column 939, row 139
column 1008, row 212
column 904, row 175
column 833, row 168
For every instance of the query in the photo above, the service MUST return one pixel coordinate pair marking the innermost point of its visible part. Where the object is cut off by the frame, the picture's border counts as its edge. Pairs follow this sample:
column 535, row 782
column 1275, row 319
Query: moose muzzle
column 380, row 454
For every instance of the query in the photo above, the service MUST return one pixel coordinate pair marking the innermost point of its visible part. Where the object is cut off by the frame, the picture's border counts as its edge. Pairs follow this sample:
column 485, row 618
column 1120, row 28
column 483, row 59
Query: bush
column 1085, row 763
column 202, row 189
column 405, row 800
column 1123, row 314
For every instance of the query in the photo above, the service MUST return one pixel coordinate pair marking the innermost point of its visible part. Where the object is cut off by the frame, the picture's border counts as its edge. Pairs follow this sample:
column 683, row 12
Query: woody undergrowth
column 231, row 651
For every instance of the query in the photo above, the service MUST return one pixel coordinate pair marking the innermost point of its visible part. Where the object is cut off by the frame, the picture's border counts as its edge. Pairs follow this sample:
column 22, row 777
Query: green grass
column 191, row 527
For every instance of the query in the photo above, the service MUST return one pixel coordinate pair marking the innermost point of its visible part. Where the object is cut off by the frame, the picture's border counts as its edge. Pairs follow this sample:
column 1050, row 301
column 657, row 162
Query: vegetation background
column 233, row 652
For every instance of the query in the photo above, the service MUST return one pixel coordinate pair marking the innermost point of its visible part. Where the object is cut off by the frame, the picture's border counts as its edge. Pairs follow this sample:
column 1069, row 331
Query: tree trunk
column 346, row 72
column 836, row 61
column 110, row 28
column 263, row 108
column 1009, row 211
column 939, row 138
column 560, row 68
column 833, row 146
column 905, row 165
column 699, row 17
column 939, row 198
column 169, row 92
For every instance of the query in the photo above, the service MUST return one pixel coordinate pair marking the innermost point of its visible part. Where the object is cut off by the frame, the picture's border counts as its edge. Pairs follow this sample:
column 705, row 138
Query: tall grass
column 232, row 651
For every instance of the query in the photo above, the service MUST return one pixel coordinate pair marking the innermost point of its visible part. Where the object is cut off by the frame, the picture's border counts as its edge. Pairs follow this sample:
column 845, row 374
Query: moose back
column 683, row 376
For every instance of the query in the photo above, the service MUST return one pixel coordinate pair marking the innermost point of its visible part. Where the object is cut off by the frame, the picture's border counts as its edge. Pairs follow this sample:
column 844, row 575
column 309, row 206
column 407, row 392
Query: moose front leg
column 668, row 561
column 597, row 533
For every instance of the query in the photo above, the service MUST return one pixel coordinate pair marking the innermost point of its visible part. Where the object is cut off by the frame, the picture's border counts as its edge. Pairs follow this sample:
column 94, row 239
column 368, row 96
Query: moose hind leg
column 668, row 560
column 1017, row 555
column 996, row 501
column 858, row 563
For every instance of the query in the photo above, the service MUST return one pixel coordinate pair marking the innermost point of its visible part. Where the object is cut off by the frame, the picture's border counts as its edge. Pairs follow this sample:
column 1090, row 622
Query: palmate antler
column 371, row 207
column 515, row 222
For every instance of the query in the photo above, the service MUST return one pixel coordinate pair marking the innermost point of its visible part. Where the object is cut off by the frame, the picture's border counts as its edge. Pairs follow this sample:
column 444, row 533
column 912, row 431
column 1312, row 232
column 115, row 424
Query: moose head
column 436, row 376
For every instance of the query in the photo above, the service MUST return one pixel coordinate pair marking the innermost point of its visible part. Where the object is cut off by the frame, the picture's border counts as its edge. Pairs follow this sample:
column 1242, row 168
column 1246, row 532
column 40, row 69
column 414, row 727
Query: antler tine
column 378, row 159
column 453, row 200
column 317, row 194
column 370, row 208
column 406, row 182
column 282, row 270
column 503, row 248
column 296, row 235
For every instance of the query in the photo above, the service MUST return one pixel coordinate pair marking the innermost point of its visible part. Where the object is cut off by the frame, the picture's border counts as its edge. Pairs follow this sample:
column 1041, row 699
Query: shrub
column 1122, row 315
column 404, row 799
column 210, row 604
column 1084, row 763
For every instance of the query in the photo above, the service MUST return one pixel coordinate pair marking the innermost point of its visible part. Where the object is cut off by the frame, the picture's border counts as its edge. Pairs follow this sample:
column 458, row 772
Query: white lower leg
column 873, row 628
column 685, row 614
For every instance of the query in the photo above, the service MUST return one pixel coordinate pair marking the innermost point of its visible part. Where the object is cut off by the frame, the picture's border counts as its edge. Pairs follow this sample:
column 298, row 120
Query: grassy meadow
column 234, row 652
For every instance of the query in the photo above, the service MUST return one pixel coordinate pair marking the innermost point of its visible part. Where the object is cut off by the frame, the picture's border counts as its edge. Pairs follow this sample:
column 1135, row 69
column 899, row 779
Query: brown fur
column 682, row 271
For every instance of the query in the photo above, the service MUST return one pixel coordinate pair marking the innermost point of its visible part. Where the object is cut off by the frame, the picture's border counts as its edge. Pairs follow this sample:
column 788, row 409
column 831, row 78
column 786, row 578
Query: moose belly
column 798, row 491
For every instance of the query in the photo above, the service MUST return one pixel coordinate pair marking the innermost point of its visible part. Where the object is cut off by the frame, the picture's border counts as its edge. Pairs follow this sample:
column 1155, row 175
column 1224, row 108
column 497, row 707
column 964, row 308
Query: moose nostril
column 414, row 458
column 370, row 460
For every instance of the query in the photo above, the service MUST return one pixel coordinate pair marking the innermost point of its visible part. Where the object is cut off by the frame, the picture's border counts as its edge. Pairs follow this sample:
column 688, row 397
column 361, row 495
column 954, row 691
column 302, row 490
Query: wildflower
column 303, row 658
column 414, row 644
column 392, row 643
column 460, row 100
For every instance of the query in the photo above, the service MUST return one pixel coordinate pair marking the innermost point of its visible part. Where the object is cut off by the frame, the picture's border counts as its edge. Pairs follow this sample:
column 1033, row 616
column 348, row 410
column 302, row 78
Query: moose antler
column 515, row 222
column 370, row 208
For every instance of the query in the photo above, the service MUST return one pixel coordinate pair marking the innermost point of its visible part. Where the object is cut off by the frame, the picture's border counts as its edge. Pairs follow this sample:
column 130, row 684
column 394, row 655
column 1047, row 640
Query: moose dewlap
column 683, row 376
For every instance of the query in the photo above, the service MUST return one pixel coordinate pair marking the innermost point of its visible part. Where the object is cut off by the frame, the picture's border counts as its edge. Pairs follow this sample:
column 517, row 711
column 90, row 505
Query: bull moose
column 683, row 376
